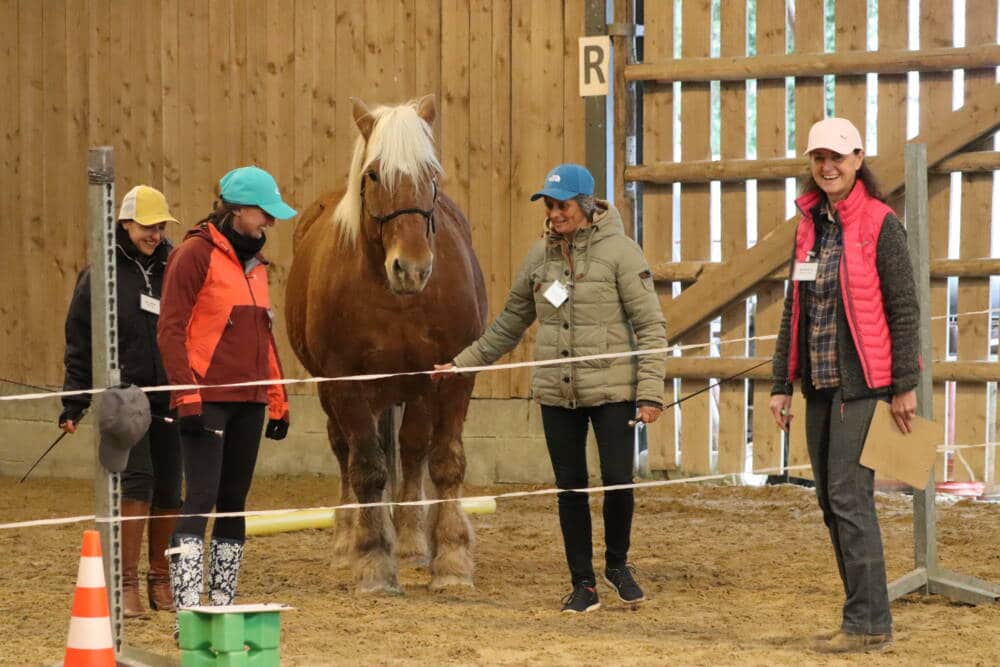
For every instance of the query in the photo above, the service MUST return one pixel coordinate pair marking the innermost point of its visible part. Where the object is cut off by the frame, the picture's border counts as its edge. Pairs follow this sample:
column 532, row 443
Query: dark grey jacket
column 902, row 312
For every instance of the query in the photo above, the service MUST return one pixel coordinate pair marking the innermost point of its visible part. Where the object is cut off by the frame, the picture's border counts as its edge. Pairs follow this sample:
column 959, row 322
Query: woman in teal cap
column 215, row 328
column 591, row 291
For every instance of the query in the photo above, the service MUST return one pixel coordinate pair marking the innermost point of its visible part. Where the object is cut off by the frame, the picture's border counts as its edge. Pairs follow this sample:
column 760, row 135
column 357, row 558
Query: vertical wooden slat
column 850, row 92
column 770, row 213
column 732, row 395
column 427, row 22
column 695, row 241
column 891, row 128
column 326, row 145
column 225, row 120
column 31, row 174
column 77, row 102
column 350, row 77
column 657, row 200
column 454, row 107
column 536, row 146
column 809, row 106
column 480, row 48
column 149, row 119
column 574, row 111
column 170, row 86
column 498, row 278
column 255, row 119
column 280, row 156
column 403, row 41
column 974, row 293
column 56, row 210
column 935, row 103
column 12, row 326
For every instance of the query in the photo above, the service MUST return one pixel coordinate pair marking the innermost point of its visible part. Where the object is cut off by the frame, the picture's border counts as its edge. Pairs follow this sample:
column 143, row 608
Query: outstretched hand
column 442, row 370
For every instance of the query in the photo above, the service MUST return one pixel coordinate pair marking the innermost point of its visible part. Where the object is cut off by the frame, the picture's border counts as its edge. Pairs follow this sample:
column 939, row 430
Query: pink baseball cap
column 836, row 134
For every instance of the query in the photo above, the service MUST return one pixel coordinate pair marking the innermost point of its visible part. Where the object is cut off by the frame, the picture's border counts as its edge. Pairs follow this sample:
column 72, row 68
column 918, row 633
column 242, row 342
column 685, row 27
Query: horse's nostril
column 397, row 267
column 424, row 273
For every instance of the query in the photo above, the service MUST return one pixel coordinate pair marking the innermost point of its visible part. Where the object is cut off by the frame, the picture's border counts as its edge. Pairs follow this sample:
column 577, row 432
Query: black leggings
column 218, row 470
column 153, row 472
column 566, row 437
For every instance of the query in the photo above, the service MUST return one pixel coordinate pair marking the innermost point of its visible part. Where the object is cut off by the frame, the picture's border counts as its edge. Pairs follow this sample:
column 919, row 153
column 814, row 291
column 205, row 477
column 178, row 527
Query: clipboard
column 898, row 456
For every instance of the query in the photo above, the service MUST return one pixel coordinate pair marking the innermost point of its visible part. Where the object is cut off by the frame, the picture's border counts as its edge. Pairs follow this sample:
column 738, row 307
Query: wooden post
column 927, row 576
column 596, row 110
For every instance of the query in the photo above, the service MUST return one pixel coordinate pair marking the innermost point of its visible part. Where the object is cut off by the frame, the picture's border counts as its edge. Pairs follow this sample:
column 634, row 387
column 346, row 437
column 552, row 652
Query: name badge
column 805, row 271
column 556, row 294
column 149, row 304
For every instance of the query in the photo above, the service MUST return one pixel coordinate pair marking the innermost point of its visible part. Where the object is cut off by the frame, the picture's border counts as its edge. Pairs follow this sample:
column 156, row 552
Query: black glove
column 277, row 429
column 72, row 413
column 192, row 425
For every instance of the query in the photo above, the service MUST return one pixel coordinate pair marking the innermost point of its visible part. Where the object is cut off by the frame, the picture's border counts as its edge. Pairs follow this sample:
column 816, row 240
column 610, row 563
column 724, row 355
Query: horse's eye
column 373, row 175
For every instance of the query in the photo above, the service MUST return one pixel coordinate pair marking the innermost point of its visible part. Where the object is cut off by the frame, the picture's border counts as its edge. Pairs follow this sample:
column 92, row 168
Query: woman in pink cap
column 849, row 333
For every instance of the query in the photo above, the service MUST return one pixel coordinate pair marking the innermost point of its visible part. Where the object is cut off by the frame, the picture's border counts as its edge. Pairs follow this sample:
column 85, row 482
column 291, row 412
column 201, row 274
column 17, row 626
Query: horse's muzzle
column 407, row 277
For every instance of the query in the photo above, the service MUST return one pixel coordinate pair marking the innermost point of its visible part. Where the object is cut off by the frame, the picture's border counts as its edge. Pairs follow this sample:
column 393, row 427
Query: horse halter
column 428, row 215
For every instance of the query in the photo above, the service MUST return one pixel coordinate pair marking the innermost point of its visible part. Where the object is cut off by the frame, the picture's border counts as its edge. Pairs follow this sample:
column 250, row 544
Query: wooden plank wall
column 186, row 90
column 658, row 200
column 964, row 421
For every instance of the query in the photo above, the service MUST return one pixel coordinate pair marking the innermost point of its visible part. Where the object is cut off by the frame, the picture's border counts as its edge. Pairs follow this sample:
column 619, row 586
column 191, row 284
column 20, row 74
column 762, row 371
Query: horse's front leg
column 414, row 440
column 451, row 534
column 343, row 520
column 374, row 565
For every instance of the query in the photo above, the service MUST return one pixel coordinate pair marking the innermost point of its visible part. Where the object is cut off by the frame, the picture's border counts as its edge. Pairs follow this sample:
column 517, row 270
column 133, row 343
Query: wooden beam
column 701, row 368
column 703, row 171
column 777, row 66
column 941, row 269
column 714, row 292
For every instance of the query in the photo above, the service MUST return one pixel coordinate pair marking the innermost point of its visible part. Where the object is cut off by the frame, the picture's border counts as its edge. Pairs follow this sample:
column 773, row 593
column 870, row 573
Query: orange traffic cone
column 90, row 643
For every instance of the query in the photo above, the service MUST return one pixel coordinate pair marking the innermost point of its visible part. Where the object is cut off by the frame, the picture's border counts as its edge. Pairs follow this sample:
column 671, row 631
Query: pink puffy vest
column 861, row 218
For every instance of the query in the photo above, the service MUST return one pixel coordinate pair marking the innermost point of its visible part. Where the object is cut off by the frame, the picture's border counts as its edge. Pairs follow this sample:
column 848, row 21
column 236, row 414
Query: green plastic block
column 232, row 659
column 228, row 632
column 263, row 630
column 268, row 657
column 195, row 630
column 198, row 658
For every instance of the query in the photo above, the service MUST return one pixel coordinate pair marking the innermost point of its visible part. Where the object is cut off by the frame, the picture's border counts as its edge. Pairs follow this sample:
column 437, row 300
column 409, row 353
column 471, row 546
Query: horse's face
column 402, row 222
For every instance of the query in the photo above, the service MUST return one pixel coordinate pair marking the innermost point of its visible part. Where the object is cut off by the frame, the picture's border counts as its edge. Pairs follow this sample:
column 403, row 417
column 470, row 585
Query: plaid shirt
column 821, row 302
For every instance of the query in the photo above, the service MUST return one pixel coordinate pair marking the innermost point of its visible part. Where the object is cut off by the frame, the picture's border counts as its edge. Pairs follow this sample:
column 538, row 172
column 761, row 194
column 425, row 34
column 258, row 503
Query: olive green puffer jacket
column 612, row 307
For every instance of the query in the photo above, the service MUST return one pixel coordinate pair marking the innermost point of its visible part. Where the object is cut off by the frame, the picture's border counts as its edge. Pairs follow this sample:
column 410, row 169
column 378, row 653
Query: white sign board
column 595, row 60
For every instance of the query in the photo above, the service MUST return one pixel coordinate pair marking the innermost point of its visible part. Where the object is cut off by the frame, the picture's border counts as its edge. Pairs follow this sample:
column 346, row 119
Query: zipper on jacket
column 852, row 318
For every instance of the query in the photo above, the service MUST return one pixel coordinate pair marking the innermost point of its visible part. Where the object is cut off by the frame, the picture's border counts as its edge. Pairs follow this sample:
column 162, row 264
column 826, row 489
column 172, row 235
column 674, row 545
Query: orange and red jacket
column 215, row 326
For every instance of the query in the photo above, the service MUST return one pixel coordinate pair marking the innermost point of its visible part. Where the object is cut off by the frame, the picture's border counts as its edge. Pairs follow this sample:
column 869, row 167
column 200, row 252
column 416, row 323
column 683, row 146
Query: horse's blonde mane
column 403, row 143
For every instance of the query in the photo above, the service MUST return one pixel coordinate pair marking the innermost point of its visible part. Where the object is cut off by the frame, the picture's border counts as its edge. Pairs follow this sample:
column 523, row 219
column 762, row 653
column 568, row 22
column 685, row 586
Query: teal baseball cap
column 565, row 182
column 252, row 186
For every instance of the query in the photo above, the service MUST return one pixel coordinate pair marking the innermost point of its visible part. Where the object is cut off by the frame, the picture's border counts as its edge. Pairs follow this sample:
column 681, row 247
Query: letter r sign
column 595, row 57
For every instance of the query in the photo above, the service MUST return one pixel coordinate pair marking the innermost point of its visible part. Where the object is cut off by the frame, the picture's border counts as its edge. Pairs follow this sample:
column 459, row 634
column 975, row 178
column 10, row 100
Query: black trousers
column 566, row 437
column 218, row 470
column 835, row 433
column 153, row 472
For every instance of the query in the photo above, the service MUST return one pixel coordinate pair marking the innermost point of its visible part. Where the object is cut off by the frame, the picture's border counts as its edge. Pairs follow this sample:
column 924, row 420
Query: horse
column 384, row 279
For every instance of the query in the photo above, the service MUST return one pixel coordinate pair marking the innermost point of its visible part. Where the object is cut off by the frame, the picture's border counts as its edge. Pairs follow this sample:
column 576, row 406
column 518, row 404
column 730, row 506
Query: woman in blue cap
column 215, row 328
column 591, row 290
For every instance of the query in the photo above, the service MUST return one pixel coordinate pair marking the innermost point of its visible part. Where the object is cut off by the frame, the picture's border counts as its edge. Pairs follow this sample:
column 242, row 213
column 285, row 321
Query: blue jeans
column 835, row 433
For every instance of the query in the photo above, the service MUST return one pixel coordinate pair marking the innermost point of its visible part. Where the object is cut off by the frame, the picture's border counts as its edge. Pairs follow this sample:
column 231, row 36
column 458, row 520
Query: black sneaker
column 622, row 580
column 581, row 600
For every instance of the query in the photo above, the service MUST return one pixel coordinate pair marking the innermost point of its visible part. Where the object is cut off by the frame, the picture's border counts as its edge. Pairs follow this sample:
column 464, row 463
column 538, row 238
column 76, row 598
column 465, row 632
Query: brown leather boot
column 158, row 581
column 131, row 546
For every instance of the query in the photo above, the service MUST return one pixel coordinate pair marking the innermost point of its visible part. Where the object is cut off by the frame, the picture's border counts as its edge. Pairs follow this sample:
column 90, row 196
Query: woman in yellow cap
column 151, row 480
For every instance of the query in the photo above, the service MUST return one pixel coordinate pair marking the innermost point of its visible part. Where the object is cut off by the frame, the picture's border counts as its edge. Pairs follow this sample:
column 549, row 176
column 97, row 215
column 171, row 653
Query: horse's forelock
column 403, row 144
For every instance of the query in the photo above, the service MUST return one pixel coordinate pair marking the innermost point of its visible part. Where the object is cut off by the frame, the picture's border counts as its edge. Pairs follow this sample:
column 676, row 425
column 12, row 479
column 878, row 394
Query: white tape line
column 383, row 376
column 411, row 503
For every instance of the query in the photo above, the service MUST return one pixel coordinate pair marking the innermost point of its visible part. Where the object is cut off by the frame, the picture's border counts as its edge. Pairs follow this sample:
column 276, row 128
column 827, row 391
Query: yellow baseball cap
column 145, row 205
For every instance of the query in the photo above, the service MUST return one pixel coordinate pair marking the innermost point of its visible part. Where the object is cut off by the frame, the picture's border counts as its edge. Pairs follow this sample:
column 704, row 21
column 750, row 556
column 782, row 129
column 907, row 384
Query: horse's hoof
column 445, row 581
column 378, row 588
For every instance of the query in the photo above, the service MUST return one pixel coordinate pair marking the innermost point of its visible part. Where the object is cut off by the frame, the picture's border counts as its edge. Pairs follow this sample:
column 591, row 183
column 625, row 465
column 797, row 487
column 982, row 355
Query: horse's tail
column 320, row 208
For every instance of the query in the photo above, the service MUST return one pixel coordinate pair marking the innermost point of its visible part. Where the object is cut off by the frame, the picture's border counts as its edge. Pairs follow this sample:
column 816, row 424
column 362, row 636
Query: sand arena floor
column 736, row 576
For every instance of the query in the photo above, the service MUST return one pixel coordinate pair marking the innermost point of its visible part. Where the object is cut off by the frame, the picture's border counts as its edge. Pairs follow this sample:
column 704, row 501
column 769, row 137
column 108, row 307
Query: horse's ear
column 363, row 118
column 426, row 109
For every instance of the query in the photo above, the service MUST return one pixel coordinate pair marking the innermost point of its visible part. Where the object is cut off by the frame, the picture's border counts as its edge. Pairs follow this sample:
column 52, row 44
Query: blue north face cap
column 252, row 186
column 565, row 182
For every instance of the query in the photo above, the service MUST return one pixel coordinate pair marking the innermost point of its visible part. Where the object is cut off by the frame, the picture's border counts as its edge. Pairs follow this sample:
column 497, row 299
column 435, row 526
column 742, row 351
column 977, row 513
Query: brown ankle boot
column 131, row 546
column 158, row 581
